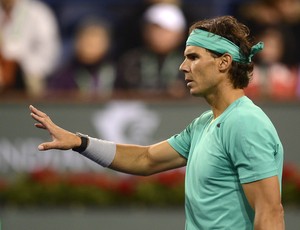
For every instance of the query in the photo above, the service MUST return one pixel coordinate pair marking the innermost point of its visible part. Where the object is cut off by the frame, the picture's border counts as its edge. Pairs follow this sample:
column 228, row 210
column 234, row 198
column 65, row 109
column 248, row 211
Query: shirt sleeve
column 253, row 147
column 182, row 142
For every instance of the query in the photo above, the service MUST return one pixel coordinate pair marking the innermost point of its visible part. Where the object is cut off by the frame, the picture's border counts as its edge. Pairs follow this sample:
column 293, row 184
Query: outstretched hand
column 61, row 138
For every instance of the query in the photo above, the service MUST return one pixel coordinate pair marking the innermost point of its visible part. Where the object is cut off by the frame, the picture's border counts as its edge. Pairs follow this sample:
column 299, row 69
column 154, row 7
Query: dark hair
column 238, row 33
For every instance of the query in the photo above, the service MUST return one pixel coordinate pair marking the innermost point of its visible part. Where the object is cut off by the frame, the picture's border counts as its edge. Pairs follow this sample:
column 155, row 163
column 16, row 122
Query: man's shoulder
column 247, row 115
column 245, row 109
column 204, row 117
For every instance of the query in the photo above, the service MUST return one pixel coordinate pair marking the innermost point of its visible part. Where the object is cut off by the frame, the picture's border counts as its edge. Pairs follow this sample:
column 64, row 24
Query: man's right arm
column 132, row 159
column 146, row 160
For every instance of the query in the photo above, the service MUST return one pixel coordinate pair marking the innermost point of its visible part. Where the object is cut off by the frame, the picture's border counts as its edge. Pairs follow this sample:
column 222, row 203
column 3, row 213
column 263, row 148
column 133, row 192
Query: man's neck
column 220, row 102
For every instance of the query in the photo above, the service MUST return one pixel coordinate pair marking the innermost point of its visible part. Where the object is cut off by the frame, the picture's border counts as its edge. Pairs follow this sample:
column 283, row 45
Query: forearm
column 131, row 159
column 146, row 160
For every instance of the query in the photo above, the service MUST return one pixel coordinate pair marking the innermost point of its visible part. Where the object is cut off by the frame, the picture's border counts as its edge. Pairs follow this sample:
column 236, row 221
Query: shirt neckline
column 228, row 109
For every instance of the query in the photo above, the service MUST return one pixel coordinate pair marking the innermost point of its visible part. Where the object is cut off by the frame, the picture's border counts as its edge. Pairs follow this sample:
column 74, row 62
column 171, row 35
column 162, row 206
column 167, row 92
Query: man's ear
column 225, row 62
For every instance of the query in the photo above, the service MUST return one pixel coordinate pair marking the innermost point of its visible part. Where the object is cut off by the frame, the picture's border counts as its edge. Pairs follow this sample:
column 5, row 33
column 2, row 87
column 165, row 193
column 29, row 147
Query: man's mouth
column 188, row 82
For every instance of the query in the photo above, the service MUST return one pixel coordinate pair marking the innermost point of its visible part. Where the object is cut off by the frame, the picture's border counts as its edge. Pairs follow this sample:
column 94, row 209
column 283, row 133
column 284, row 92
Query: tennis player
column 232, row 153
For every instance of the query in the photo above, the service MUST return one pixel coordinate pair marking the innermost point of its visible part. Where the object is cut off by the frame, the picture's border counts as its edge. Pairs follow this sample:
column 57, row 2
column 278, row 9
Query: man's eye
column 193, row 57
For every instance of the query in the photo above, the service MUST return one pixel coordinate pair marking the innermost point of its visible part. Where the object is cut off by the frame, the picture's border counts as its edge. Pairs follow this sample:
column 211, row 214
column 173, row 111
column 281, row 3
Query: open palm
column 61, row 138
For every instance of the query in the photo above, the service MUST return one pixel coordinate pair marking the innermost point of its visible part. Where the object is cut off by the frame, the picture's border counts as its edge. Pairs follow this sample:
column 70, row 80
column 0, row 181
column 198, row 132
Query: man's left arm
column 264, row 197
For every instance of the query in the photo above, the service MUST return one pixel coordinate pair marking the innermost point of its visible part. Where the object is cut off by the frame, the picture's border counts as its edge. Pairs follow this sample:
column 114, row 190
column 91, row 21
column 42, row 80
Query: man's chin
column 195, row 93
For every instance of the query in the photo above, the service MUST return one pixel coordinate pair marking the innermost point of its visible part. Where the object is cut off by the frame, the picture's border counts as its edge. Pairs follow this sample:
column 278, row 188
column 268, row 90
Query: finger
column 41, row 147
column 37, row 112
column 47, row 146
column 36, row 117
column 43, row 120
column 33, row 109
column 40, row 126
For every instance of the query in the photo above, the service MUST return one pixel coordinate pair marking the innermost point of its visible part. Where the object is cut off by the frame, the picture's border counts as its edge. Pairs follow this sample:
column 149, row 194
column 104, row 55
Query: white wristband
column 100, row 151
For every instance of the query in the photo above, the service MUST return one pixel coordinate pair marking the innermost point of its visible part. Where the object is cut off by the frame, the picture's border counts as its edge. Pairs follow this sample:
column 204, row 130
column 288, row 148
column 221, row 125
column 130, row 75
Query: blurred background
column 110, row 69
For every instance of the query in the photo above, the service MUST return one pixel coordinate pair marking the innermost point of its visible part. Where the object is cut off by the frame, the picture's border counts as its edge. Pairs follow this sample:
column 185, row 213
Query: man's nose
column 183, row 67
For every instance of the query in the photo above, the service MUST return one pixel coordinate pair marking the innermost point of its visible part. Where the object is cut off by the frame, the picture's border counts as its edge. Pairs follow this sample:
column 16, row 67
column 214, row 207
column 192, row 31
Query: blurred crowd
column 100, row 48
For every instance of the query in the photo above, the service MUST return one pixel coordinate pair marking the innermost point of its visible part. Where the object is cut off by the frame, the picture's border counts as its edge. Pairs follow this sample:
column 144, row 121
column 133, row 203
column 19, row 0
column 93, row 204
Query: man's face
column 201, row 71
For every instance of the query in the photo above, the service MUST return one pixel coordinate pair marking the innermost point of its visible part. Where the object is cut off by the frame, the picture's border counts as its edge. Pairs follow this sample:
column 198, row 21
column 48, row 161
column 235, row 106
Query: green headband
column 221, row 45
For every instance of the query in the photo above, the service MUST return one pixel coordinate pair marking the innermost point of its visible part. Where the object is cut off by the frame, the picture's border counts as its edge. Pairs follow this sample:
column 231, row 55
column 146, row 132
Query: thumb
column 45, row 146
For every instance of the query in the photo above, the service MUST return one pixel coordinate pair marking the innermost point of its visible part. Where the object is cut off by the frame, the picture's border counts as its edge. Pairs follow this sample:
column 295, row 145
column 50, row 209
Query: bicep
column 162, row 157
column 263, row 192
column 264, row 197
column 146, row 160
